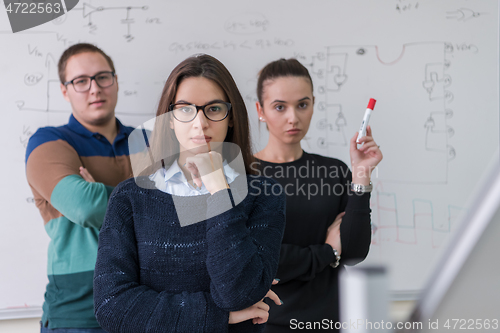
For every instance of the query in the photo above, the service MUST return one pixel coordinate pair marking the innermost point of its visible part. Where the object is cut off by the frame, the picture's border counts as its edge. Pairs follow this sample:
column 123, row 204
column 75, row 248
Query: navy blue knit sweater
column 152, row 275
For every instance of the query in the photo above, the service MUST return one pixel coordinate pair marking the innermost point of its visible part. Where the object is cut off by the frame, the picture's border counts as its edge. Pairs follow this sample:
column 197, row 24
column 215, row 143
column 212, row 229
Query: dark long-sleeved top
column 317, row 190
column 152, row 275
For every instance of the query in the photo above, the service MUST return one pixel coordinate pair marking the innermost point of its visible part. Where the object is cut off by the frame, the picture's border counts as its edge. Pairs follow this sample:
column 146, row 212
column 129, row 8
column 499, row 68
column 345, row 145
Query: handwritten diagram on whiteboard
column 432, row 66
column 421, row 115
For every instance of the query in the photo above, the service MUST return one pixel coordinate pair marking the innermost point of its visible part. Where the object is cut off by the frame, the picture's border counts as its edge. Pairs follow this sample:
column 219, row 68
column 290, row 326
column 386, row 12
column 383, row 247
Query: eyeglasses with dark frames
column 83, row 83
column 214, row 111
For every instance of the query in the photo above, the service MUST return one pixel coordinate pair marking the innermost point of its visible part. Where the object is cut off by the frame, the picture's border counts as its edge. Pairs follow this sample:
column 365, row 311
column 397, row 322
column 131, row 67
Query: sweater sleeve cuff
column 358, row 202
column 327, row 256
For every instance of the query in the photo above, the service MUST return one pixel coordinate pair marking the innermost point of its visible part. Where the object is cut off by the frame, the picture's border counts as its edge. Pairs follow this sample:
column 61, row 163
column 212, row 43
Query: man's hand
column 86, row 175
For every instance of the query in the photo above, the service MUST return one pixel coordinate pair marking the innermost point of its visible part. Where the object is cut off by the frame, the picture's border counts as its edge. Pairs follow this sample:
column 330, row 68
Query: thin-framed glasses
column 214, row 111
column 83, row 83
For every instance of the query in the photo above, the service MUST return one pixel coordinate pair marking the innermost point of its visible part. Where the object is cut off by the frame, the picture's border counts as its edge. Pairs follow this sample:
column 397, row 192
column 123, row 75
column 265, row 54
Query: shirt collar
column 175, row 171
column 122, row 130
column 77, row 127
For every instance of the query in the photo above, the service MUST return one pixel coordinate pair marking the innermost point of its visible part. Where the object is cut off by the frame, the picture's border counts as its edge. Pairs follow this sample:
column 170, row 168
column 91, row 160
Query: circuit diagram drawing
column 87, row 12
column 437, row 133
column 387, row 226
column 415, row 86
column 332, row 121
column 333, row 125
column 423, row 229
column 463, row 14
column 51, row 89
column 54, row 101
column 436, row 82
column 336, row 70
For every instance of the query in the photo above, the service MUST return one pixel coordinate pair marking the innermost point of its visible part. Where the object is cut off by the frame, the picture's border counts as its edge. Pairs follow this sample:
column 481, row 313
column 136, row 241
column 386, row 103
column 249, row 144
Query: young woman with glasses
column 156, row 273
column 327, row 224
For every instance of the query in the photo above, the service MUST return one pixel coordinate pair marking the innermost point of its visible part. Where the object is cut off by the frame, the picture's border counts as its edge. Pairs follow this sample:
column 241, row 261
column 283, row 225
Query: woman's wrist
column 336, row 261
column 361, row 180
column 361, row 175
column 219, row 184
column 219, row 188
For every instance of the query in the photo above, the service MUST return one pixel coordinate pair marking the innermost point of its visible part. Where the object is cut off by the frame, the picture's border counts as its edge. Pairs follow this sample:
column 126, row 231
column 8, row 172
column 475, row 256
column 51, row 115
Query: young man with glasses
column 94, row 145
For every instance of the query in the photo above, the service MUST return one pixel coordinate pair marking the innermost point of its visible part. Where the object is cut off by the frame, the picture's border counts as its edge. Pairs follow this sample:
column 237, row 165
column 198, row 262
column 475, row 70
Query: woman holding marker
column 327, row 223
column 156, row 273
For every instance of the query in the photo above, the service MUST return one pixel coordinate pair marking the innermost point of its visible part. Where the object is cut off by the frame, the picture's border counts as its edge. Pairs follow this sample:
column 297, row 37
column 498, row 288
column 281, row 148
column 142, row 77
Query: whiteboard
column 431, row 65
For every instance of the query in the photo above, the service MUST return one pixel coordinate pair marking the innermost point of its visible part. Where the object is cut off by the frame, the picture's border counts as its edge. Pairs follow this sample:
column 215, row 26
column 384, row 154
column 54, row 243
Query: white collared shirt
column 173, row 181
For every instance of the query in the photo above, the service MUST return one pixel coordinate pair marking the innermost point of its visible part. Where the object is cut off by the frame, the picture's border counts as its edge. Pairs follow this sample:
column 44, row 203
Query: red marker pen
column 366, row 118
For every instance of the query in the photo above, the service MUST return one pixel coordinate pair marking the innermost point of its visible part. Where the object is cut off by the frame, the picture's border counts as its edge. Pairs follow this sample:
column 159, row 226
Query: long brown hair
column 164, row 142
